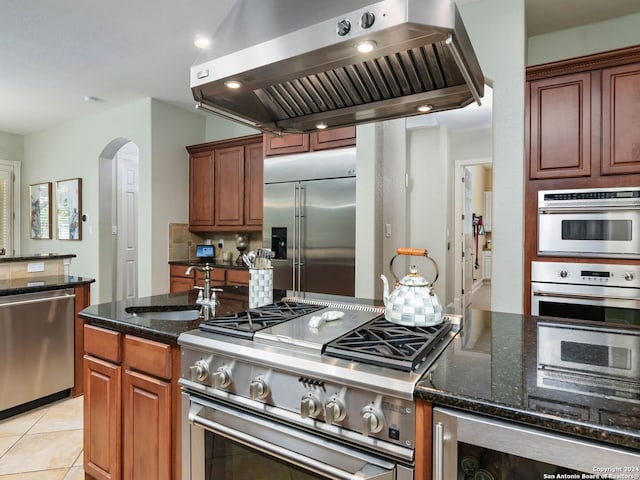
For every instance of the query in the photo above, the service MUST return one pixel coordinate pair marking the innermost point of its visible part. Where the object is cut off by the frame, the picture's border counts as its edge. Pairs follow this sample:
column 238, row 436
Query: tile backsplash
column 182, row 242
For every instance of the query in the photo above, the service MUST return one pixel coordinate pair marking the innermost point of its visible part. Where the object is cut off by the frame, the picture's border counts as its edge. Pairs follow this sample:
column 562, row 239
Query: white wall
column 11, row 146
column 497, row 32
column 72, row 150
column 217, row 128
column 585, row 40
column 429, row 210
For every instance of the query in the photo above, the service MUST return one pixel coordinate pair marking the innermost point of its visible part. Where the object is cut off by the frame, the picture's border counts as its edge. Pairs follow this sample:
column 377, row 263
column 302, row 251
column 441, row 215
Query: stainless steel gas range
column 305, row 391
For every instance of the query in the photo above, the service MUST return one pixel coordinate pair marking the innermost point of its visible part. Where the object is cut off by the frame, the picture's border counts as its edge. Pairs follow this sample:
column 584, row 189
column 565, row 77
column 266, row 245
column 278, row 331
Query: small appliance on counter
column 205, row 253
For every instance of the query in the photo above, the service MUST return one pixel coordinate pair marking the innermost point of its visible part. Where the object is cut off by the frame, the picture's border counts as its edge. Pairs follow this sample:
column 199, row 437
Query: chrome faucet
column 209, row 294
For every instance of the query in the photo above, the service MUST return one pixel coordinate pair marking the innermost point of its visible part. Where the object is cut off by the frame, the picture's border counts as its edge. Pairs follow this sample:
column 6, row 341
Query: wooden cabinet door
column 287, row 143
column 333, row 138
column 254, row 184
column 102, row 419
column 146, row 427
column 237, row 277
column 560, row 127
column 180, row 284
column 620, row 120
column 229, row 186
column 201, row 178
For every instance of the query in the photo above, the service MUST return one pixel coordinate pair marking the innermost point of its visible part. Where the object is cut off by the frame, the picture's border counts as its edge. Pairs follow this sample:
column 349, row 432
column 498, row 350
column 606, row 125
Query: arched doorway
column 118, row 211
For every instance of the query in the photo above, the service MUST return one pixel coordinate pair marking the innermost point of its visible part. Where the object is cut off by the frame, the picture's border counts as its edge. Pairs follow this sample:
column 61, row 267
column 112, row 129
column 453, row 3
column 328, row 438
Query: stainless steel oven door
column 586, row 302
column 597, row 233
column 225, row 443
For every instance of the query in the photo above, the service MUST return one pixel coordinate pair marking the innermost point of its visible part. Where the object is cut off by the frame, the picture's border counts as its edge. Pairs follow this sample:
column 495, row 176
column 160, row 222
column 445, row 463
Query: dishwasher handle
column 37, row 300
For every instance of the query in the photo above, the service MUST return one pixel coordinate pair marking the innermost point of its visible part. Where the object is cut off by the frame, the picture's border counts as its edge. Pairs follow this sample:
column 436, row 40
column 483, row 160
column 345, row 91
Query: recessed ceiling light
column 366, row 46
column 425, row 108
column 321, row 126
column 232, row 84
column 202, row 42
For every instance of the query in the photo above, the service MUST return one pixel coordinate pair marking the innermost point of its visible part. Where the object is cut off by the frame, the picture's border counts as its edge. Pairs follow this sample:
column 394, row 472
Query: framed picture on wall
column 40, row 209
column 69, row 209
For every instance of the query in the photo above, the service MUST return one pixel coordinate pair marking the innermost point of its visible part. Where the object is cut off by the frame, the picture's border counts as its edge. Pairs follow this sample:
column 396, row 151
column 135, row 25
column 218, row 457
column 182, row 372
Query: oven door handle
column 576, row 296
column 369, row 471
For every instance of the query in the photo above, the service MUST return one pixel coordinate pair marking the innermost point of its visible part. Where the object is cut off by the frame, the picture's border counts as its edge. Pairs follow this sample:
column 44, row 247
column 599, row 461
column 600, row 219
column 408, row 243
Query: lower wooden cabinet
column 220, row 277
column 102, row 419
column 146, row 427
column 131, row 407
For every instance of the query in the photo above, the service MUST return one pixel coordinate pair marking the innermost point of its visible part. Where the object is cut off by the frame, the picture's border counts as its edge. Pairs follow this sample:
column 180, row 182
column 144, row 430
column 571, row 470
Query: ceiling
column 54, row 54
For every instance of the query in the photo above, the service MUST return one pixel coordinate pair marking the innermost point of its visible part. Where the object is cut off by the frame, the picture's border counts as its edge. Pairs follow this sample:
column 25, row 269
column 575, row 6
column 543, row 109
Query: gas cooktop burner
column 386, row 344
column 245, row 324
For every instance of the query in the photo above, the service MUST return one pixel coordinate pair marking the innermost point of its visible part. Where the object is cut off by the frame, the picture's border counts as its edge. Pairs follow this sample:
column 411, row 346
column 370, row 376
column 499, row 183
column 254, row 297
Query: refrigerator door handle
column 301, row 203
column 296, row 206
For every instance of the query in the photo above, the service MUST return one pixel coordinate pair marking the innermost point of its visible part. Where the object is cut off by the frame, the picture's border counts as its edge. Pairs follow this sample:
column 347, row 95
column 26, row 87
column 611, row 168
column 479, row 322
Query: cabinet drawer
column 237, row 277
column 102, row 343
column 148, row 356
column 217, row 275
column 179, row 271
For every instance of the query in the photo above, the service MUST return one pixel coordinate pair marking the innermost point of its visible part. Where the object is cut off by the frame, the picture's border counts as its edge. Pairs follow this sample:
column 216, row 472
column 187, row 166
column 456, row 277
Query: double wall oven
column 304, row 391
column 583, row 226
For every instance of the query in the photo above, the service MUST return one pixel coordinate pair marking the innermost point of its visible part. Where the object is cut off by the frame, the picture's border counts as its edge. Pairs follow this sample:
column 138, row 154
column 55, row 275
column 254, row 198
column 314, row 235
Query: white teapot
column 413, row 303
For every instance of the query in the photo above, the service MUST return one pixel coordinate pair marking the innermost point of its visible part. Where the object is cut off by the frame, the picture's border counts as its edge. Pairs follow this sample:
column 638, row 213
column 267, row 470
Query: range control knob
column 310, row 406
column 258, row 389
column 629, row 276
column 344, row 27
column 221, row 378
column 563, row 274
column 334, row 410
column 199, row 371
column 367, row 20
column 372, row 420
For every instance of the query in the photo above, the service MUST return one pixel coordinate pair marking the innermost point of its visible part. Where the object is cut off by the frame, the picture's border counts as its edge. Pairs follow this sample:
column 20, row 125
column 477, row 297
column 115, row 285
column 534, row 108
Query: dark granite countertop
column 115, row 316
column 16, row 286
column 35, row 256
column 491, row 369
column 216, row 263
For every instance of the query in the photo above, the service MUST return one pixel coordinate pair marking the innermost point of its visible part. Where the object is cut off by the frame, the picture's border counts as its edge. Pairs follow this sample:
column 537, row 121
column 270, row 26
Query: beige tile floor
column 43, row 444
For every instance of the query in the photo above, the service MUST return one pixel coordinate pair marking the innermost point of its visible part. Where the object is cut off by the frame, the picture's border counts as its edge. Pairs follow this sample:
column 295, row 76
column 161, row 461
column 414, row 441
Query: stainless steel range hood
column 296, row 63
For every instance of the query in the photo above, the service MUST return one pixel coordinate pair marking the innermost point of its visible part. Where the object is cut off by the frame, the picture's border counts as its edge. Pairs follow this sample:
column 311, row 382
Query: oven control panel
column 358, row 413
column 599, row 274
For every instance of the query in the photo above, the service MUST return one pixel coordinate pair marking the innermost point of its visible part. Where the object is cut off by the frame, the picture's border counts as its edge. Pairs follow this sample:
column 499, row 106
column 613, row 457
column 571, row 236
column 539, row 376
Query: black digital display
column 594, row 273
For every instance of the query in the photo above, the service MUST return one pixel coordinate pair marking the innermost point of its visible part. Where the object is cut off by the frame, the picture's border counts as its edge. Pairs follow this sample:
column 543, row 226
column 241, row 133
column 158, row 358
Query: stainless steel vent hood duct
column 296, row 64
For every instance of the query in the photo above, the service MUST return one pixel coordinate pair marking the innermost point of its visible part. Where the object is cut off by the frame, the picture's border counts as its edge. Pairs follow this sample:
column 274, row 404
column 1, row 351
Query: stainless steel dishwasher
column 36, row 346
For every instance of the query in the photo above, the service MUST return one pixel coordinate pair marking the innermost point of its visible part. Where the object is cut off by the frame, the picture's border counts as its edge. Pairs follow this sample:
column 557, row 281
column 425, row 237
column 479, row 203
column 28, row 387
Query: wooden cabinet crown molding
column 610, row 58
column 231, row 142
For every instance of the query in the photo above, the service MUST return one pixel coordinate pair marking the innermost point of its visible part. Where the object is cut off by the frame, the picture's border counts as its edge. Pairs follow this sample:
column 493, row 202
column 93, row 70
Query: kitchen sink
column 184, row 315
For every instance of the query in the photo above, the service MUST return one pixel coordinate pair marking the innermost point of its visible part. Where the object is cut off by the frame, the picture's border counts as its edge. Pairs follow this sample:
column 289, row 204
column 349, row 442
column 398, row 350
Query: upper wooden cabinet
column 560, row 115
column 225, row 185
column 307, row 142
column 620, row 120
column 582, row 117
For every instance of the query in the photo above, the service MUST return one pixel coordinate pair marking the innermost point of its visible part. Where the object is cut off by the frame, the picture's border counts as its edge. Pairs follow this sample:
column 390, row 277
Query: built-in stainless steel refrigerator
column 309, row 220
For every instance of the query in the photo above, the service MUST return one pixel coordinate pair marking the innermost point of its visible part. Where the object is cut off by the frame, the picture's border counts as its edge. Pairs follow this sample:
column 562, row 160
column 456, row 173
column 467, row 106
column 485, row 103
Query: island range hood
column 295, row 65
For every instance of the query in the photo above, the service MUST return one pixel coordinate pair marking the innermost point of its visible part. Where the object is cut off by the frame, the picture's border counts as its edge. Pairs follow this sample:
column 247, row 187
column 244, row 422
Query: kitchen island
column 489, row 370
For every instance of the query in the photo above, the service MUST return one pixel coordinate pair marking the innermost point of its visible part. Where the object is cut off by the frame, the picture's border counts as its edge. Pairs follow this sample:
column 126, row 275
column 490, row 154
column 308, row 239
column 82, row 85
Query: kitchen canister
column 260, row 287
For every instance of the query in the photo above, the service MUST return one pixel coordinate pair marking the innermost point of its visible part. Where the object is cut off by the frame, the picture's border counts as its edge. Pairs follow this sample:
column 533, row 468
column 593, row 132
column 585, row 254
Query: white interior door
column 467, row 240
column 127, row 226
